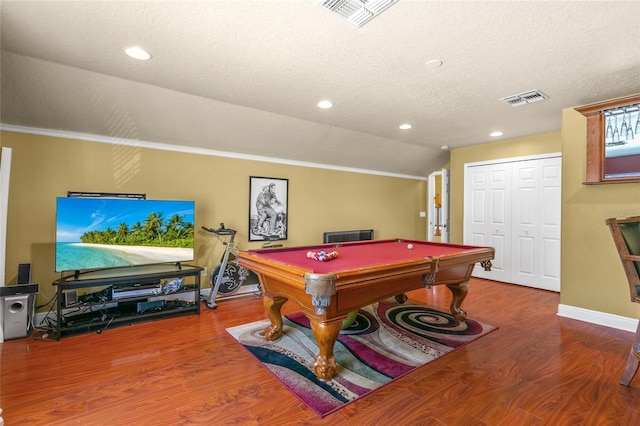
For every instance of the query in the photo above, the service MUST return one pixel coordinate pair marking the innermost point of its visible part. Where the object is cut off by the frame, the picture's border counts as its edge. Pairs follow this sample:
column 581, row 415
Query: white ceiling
column 245, row 76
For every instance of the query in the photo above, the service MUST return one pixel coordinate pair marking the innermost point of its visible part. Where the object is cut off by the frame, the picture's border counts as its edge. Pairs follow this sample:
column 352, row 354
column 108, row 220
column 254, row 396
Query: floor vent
column 525, row 98
column 358, row 12
column 346, row 236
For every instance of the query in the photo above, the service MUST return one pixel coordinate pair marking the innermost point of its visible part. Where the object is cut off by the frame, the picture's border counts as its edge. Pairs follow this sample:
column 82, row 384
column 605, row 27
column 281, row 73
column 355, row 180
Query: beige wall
column 521, row 147
column 592, row 275
column 44, row 168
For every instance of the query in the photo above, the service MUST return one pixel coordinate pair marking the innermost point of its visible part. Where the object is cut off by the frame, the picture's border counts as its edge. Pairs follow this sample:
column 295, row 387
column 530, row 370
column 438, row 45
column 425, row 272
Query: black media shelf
column 101, row 311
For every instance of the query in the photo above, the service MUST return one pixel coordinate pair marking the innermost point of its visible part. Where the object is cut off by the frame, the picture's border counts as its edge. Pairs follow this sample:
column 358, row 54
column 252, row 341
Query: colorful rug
column 385, row 342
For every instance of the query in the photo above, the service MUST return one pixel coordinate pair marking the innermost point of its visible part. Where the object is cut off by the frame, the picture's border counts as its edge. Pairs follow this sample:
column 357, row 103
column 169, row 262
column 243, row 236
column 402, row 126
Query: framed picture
column 268, row 199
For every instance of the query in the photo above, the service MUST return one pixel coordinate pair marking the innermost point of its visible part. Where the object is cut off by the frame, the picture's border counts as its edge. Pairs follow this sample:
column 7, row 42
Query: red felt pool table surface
column 361, row 254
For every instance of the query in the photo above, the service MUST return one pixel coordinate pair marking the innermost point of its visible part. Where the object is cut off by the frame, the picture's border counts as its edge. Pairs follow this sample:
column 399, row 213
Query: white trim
column 513, row 159
column 191, row 150
column 600, row 318
column 5, row 174
column 431, row 190
column 444, row 212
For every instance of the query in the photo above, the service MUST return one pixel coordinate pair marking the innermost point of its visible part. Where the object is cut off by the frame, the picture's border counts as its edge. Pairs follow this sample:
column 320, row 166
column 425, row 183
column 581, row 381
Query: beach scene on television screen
column 94, row 233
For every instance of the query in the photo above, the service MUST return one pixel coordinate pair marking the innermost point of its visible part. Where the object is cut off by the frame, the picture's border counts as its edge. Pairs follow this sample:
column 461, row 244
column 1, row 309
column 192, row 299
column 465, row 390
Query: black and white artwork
column 268, row 208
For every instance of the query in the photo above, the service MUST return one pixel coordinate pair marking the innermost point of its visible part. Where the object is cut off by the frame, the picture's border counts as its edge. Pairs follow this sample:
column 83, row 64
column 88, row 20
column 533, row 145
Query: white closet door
column 488, row 222
column 551, row 206
column 515, row 206
column 536, row 223
column 525, row 222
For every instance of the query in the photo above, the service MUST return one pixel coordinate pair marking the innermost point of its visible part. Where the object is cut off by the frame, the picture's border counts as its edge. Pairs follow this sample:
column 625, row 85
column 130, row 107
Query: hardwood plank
column 537, row 369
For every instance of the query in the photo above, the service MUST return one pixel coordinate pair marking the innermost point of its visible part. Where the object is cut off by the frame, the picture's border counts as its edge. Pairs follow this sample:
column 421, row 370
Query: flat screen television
column 98, row 233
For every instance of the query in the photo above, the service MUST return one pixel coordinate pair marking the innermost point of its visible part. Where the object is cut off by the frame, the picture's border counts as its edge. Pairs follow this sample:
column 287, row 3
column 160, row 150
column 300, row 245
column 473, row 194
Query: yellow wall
column 521, row 147
column 592, row 275
column 44, row 168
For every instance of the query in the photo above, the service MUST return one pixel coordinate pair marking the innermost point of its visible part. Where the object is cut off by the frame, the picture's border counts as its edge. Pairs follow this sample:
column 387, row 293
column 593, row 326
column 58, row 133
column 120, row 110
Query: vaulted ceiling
column 245, row 76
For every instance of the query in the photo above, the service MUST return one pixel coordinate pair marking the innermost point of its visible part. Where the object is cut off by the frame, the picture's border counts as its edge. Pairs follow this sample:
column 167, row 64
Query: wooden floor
column 537, row 369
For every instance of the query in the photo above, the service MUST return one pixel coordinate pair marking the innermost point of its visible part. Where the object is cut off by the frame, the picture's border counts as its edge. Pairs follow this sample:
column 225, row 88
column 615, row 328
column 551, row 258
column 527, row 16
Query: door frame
column 444, row 210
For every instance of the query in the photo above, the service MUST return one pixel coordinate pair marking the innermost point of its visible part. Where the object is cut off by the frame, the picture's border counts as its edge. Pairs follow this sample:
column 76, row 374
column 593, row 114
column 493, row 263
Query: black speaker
column 70, row 298
column 12, row 290
column 24, row 273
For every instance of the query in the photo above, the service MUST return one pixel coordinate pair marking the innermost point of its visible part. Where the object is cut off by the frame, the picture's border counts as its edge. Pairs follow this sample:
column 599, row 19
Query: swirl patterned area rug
column 385, row 342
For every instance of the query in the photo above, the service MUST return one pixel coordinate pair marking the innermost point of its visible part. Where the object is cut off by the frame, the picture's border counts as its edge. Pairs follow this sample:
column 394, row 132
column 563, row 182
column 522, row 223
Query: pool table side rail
column 332, row 246
column 356, row 287
column 261, row 264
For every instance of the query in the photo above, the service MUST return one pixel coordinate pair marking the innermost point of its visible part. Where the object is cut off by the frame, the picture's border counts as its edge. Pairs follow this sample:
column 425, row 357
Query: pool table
column 363, row 273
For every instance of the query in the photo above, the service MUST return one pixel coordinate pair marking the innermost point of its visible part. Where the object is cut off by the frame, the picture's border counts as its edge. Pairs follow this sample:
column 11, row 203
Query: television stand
column 141, row 295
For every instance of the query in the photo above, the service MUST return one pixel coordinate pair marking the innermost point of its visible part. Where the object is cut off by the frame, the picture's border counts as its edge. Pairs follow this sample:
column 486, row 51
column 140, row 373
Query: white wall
column 5, row 166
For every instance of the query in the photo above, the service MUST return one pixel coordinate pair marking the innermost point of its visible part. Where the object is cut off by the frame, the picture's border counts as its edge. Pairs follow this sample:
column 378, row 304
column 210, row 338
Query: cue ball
column 409, row 246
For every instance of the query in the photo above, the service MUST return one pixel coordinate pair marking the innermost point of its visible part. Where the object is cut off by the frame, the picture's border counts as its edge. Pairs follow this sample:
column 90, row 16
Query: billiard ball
column 409, row 246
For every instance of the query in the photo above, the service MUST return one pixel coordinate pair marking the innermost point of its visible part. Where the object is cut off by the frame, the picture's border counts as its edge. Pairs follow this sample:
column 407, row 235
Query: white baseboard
column 600, row 318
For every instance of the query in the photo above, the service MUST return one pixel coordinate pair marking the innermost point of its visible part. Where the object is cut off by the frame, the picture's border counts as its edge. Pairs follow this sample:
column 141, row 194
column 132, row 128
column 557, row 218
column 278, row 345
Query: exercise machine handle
column 221, row 230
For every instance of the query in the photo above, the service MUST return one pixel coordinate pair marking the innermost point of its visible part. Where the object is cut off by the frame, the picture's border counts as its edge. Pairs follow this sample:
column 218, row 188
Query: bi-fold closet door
column 514, row 205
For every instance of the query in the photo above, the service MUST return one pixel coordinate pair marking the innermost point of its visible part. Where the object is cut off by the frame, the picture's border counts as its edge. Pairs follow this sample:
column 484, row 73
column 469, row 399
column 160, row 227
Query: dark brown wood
column 622, row 164
column 595, row 148
column 537, row 369
column 630, row 259
column 633, row 360
column 595, row 161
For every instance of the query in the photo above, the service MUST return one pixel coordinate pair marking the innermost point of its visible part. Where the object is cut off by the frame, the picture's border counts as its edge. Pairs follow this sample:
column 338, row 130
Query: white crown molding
column 596, row 317
column 191, row 150
column 514, row 159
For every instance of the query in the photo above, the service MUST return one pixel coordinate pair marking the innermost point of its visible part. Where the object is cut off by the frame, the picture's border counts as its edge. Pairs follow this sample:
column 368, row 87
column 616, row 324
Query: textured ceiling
column 245, row 76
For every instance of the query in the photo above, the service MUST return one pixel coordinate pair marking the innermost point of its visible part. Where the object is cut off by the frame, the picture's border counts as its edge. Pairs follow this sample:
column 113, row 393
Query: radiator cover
column 346, row 236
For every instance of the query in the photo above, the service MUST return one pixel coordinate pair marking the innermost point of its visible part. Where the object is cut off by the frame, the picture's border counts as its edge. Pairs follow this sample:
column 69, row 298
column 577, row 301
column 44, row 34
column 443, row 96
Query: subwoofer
column 18, row 315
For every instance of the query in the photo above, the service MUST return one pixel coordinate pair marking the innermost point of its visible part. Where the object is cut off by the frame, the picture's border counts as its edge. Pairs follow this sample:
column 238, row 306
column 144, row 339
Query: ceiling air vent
column 358, row 12
column 525, row 98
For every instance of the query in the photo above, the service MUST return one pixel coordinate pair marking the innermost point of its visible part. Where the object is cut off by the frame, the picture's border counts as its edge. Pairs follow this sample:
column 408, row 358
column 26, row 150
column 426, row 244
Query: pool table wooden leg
column 273, row 305
column 326, row 334
column 401, row 298
column 458, row 293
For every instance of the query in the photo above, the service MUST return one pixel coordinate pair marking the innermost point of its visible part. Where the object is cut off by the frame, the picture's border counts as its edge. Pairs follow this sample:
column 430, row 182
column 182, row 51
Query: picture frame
column 268, row 208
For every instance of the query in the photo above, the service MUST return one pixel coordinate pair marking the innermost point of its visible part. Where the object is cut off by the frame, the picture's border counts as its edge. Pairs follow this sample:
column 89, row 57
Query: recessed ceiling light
column 325, row 104
column 138, row 53
column 405, row 126
column 495, row 134
column 444, row 147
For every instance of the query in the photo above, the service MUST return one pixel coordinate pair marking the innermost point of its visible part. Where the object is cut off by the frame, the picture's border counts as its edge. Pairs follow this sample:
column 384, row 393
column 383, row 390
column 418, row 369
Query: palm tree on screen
column 153, row 224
